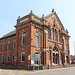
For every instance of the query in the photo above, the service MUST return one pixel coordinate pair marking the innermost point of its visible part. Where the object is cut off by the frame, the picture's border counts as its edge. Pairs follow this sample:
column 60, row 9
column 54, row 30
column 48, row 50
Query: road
column 61, row 71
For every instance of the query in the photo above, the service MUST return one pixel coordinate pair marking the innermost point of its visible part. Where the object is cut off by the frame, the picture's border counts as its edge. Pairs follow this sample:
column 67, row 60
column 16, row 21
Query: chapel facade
column 45, row 36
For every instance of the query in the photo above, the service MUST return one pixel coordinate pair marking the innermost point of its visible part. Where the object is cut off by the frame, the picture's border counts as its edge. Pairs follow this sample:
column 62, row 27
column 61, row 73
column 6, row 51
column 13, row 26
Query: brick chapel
column 34, row 35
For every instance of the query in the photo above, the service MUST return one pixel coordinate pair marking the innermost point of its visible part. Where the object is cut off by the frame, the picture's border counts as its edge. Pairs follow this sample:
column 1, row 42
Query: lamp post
column 74, row 47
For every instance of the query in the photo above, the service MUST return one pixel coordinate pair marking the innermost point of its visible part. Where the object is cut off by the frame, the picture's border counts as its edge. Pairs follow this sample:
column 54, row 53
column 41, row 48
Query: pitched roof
column 56, row 16
column 9, row 34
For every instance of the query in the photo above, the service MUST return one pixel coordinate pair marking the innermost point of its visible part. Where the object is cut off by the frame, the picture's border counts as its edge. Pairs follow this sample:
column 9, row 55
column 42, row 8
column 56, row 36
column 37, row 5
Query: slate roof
column 9, row 34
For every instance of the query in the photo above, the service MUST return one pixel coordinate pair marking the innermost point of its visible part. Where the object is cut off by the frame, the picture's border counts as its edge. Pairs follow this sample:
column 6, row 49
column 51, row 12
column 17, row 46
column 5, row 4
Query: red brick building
column 34, row 35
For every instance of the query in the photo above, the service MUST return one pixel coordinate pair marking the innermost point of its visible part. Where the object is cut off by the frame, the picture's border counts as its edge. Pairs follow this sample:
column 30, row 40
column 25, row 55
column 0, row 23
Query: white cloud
column 7, row 25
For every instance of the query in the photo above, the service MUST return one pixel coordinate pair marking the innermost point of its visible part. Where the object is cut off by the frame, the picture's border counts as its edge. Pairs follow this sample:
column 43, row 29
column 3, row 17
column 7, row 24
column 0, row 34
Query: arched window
column 3, row 45
column 49, row 34
column 59, row 36
column 37, row 38
column 13, row 43
column 66, row 45
column 8, row 45
column 55, row 35
column 23, row 38
column 55, row 49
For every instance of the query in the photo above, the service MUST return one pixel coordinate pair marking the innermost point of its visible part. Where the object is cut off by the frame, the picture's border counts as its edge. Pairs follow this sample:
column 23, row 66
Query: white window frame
column 21, row 57
column 23, row 35
column 66, row 46
column 8, row 45
column 13, row 44
column 3, row 46
column 36, row 38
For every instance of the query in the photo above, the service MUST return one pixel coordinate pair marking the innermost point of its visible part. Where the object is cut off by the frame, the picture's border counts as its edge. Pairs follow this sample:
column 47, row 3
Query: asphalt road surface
column 60, row 71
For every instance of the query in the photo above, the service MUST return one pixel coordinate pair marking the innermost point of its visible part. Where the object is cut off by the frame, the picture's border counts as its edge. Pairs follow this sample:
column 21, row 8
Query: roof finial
column 31, row 12
column 43, row 16
column 19, row 17
column 53, row 10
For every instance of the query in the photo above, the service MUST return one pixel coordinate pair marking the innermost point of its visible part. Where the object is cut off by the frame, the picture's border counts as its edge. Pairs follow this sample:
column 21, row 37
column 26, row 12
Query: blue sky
column 11, row 9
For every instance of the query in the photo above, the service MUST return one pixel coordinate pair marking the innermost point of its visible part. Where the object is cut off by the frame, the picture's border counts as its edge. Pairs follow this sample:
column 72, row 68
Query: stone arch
column 55, row 46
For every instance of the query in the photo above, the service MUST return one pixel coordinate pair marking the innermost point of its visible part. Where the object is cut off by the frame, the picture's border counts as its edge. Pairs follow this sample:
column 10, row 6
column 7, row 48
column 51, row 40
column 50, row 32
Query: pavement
column 59, row 71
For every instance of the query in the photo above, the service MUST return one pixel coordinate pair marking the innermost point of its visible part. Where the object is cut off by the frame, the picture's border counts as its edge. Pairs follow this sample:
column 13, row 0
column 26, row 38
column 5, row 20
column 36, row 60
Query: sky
column 11, row 9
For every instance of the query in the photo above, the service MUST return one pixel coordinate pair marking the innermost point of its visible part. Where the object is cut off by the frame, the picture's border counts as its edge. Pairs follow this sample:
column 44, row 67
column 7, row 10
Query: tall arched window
column 55, row 35
column 8, row 45
column 14, row 43
column 66, row 45
column 3, row 45
column 23, row 38
column 49, row 34
column 59, row 36
column 37, row 38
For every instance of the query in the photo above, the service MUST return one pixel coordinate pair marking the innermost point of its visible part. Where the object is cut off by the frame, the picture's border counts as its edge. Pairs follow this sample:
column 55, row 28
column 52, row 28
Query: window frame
column 7, row 58
column 8, row 45
column 14, row 44
column 23, row 40
column 66, row 46
column 2, row 58
column 36, row 38
column 3, row 47
column 49, row 34
column 22, row 58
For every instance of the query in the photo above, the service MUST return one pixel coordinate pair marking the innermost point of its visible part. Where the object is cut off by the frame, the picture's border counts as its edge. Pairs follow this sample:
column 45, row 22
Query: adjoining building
column 40, row 41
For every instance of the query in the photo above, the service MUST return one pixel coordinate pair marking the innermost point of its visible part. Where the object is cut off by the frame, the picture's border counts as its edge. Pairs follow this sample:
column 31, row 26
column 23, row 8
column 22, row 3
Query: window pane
column 3, row 45
column 7, row 58
column 13, row 44
column 48, row 33
column 13, row 58
column 37, row 40
column 2, row 58
column 23, row 39
column 22, row 57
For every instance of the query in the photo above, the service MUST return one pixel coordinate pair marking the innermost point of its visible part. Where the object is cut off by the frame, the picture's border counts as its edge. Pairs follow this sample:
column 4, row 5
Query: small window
column 22, row 57
column 7, row 58
column 2, row 58
column 13, row 58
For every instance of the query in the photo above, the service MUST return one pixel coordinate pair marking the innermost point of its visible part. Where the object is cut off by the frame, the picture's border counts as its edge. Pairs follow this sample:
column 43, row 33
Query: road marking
column 11, row 73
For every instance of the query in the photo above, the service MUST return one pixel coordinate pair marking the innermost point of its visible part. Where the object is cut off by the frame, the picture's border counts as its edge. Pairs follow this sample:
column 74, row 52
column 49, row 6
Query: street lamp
column 74, row 47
